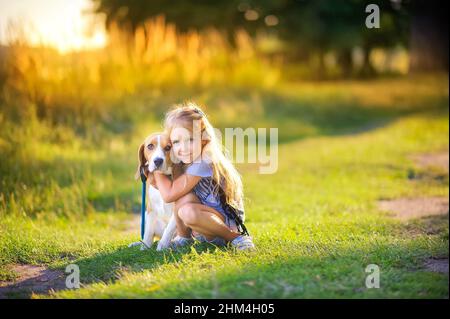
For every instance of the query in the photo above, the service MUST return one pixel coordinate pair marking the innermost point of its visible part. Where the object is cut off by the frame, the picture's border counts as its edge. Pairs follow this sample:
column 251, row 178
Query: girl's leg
column 182, row 229
column 206, row 221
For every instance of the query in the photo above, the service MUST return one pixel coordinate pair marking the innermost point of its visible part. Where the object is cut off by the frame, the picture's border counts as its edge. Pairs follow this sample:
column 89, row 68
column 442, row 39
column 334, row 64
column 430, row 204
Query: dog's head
column 154, row 154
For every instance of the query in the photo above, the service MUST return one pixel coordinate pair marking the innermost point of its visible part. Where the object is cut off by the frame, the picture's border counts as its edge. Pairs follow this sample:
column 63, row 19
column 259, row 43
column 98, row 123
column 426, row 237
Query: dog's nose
column 158, row 161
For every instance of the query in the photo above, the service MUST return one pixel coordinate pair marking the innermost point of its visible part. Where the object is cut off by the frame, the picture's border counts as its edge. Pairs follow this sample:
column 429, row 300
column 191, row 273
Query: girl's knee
column 186, row 199
column 188, row 214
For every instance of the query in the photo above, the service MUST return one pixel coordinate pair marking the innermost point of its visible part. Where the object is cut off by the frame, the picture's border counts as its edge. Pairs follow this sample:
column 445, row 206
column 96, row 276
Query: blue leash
column 143, row 179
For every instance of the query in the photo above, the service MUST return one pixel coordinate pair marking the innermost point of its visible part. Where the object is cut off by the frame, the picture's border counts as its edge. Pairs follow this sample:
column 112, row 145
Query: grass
column 68, row 197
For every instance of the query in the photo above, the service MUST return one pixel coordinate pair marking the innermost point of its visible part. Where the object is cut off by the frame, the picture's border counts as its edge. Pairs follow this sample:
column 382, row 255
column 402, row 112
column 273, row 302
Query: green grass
column 68, row 198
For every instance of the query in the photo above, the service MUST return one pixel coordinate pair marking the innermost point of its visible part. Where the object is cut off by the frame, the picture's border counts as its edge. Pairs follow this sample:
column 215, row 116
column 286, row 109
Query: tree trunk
column 320, row 75
column 346, row 62
column 367, row 69
column 429, row 37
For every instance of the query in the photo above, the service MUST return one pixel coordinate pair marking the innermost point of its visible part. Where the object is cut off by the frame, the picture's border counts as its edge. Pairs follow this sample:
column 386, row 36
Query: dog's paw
column 145, row 246
column 162, row 246
column 141, row 244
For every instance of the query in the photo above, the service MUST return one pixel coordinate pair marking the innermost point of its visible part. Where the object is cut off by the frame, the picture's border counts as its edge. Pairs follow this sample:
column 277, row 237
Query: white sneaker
column 243, row 242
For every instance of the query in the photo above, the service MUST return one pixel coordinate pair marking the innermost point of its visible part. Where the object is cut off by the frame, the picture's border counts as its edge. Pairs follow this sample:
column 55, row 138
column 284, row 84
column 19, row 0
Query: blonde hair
column 224, row 173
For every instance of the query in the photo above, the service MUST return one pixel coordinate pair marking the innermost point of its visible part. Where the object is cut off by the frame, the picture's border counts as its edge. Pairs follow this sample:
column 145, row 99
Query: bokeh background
column 83, row 82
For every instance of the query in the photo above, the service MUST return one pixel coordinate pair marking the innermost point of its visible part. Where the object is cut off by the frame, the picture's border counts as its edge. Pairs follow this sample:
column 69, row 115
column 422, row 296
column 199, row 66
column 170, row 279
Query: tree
column 185, row 14
column 308, row 27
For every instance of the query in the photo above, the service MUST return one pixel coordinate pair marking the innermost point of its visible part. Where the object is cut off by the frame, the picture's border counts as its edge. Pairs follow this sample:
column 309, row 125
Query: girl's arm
column 173, row 190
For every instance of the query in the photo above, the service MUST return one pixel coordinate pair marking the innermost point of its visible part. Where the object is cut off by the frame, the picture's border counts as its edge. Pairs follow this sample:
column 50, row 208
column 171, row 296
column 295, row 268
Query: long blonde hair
column 224, row 173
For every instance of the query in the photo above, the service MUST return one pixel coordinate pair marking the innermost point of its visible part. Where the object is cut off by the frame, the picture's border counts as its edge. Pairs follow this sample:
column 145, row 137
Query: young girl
column 202, row 167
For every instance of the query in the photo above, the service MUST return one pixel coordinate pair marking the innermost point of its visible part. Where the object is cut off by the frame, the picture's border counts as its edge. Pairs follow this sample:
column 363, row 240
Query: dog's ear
column 142, row 162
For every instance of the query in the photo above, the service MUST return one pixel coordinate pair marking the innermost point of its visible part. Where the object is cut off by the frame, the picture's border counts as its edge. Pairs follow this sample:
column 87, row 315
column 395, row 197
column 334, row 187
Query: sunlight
column 65, row 25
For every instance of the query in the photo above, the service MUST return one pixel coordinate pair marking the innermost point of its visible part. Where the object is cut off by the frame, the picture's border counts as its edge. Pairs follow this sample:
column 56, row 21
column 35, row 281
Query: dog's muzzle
column 158, row 162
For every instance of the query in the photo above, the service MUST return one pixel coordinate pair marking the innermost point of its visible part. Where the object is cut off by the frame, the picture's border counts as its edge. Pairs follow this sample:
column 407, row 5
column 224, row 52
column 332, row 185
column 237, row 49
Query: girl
column 202, row 167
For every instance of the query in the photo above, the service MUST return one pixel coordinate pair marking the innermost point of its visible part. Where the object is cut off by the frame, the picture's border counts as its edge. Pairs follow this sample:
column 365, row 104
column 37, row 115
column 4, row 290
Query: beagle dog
column 154, row 154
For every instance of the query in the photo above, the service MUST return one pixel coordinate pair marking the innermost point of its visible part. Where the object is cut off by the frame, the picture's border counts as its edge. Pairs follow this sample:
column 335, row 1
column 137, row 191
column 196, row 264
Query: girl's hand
column 173, row 190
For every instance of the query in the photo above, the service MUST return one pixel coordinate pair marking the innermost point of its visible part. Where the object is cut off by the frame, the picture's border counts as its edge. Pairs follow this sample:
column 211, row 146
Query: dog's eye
column 150, row 146
column 167, row 148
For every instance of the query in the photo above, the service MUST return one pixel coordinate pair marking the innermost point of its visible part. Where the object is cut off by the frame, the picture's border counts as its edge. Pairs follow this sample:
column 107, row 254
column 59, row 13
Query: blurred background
column 83, row 82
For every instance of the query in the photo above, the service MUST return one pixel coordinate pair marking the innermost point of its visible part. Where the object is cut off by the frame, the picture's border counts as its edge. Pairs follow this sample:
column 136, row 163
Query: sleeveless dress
column 206, row 191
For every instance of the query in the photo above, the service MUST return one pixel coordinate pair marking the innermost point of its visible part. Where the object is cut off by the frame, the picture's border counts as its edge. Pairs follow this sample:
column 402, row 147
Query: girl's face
column 184, row 146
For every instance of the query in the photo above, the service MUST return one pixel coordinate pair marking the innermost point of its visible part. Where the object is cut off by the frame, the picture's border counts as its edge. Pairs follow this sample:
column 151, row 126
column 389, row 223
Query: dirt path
column 433, row 160
column 405, row 209
column 32, row 279
column 409, row 208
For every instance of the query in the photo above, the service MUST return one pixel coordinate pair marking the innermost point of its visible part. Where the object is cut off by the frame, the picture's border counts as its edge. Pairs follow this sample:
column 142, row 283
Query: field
column 68, row 194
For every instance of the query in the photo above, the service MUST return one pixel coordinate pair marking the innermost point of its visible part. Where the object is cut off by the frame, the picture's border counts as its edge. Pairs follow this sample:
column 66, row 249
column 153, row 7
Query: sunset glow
column 65, row 25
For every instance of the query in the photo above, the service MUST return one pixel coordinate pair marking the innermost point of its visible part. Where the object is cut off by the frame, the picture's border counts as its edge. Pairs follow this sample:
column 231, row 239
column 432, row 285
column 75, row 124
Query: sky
column 59, row 23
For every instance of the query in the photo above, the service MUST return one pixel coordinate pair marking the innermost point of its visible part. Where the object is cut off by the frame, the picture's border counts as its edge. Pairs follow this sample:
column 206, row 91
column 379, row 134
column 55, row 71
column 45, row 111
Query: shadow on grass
column 300, row 117
column 338, row 273
column 311, row 271
column 108, row 266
